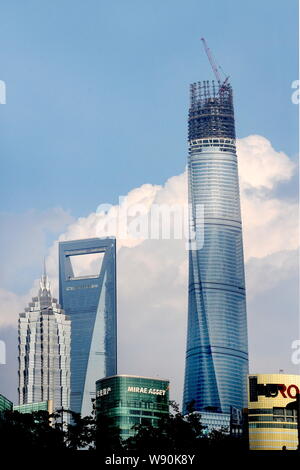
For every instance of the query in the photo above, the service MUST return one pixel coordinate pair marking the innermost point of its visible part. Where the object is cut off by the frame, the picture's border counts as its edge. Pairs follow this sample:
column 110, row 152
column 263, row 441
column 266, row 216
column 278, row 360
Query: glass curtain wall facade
column 32, row 407
column 217, row 350
column 5, row 403
column 44, row 333
column 272, row 411
column 89, row 298
column 131, row 400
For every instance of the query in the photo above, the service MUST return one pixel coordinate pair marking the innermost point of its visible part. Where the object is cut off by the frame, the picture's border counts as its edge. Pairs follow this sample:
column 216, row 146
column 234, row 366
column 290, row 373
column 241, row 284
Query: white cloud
column 265, row 273
column 260, row 165
column 152, row 274
column 10, row 305
column 23, row 244
column 270, row 225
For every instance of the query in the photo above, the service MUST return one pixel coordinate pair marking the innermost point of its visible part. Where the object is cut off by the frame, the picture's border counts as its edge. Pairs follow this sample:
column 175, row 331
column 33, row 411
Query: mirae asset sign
column 145, row 390
column 151, row 391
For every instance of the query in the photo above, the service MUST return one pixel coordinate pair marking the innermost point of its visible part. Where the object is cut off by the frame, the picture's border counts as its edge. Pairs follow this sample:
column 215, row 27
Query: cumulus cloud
column 260, row 165
column 152, row 274
column 270, row 225
column 24, row 240
column 10, row 304
column 263, row 274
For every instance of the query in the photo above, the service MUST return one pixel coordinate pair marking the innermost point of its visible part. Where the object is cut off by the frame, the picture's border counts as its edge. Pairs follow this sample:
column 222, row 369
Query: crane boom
column 213, row 64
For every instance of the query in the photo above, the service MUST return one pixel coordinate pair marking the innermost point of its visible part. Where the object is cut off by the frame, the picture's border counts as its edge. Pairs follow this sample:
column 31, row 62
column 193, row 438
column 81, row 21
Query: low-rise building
column 272, row 411
column 5, row 403
column 131, row 400
column 32, row 407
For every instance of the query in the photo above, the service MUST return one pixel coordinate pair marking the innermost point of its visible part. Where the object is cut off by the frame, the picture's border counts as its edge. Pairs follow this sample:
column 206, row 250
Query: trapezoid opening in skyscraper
column 87, row 292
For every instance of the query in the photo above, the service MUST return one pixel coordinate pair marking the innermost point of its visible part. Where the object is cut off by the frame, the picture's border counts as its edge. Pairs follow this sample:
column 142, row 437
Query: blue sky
column 97, row 92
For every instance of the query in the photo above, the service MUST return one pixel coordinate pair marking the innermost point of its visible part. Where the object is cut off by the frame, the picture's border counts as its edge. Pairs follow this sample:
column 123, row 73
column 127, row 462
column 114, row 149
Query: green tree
column 108, row 440
column 81, row 432
column 29, row 431
column 174, row 434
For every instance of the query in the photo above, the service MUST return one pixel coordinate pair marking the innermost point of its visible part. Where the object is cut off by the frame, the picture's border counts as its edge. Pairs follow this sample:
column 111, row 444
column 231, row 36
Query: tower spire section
column 44, row 283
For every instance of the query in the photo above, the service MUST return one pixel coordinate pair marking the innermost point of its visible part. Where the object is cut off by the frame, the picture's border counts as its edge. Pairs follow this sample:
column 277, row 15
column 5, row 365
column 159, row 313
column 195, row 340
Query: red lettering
column 282, row 389
column 290, row 393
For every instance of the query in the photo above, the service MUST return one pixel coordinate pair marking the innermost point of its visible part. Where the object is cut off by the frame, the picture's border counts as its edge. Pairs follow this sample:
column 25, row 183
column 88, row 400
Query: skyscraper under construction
column 217, row 350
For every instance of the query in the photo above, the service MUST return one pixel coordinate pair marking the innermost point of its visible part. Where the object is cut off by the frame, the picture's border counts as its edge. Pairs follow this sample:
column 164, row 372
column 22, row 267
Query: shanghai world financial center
column 89, row 299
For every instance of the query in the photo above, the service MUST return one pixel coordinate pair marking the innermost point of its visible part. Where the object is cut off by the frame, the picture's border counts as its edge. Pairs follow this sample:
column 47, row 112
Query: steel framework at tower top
column 211, row 111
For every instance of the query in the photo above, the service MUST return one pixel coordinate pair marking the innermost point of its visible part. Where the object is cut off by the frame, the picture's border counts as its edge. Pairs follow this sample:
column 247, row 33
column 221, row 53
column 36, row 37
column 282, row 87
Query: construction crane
column 215, row 67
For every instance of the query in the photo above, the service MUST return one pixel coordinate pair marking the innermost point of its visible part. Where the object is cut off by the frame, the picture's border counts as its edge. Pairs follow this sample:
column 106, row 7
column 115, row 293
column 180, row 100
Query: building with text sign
column 131, row 400
column 273, row 420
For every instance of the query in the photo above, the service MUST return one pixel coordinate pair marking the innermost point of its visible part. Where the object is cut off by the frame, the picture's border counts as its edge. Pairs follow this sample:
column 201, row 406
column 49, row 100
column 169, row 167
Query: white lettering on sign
column 151, row 391
column 103, row 392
